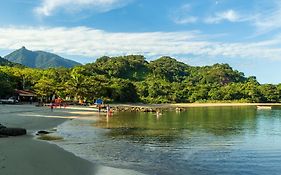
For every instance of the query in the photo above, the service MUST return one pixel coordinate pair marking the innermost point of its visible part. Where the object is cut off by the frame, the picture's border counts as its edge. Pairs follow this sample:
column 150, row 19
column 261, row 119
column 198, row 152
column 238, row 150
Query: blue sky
column 243, row 33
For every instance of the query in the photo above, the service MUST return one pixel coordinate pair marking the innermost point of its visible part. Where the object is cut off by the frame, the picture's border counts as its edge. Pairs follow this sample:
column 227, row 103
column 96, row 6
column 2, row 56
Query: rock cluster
column 143, row 109
column 4, row 131
column 133, row 109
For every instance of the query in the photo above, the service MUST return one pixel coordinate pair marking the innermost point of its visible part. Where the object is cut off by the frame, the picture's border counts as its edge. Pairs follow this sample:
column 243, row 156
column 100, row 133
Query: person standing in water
column 52, row 107
column 108, row 109
column 99, row 107
column 158, row 113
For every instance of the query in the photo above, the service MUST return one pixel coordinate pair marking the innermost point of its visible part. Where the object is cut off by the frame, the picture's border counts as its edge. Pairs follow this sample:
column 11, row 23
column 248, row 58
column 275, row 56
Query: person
column 99, row 106
column 52, row 106
column 158, row 113
column 30, row 100
column 108, row 109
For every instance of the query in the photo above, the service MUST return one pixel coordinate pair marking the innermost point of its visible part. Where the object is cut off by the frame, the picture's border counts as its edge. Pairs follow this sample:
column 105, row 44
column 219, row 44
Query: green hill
column 133, row 79
column 133, row 67
column 167, row 80
column 5, row 62
column 39, row 59
column 136, row 68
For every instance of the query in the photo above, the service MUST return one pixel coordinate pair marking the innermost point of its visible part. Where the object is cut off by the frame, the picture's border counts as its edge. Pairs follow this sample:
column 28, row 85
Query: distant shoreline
column 195, row 104
column 154, row 107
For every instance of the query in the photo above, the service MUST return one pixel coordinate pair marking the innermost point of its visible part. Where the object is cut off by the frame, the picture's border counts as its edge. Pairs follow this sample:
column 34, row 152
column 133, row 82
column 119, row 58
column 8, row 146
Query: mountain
column 39, row 59
column 4, row 62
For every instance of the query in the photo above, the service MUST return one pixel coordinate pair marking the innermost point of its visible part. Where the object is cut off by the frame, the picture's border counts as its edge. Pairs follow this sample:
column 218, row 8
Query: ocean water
column 210, row 140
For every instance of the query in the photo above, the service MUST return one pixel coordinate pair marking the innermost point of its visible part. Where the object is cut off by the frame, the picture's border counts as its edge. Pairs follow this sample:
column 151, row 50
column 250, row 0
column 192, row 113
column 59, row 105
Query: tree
column 270, row 93
column 6, row 85
column 45, row 88
column 123, row 91
column 168, row 68
column 75, row 86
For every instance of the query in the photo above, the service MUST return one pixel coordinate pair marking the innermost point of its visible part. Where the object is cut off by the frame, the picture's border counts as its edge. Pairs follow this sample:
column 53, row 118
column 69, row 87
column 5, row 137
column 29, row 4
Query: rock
column 2, row 126
column 43, row 132
column 179, row 109
column 12, row 131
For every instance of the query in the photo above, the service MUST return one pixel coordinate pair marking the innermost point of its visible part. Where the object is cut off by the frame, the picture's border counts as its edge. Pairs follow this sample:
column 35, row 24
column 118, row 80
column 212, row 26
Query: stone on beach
column 42, row 132
column 4, row 131
column 2, row 126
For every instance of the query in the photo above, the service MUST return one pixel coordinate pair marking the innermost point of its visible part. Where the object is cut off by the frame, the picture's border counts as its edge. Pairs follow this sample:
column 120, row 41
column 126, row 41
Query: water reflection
column 226, row 140
column 183, row 142
column 224, row 121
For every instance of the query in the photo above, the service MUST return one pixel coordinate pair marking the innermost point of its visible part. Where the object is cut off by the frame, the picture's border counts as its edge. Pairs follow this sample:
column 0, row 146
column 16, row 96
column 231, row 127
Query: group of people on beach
column 108, row 110
column 57, row 103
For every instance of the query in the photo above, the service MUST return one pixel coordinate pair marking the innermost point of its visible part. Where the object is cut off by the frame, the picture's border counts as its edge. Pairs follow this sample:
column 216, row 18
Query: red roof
column 25, row 93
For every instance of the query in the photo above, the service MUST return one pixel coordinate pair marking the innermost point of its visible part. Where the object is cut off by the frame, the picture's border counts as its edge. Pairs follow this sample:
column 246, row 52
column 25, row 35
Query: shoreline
column 131, row 107
column 195, row 104
column 32, row 156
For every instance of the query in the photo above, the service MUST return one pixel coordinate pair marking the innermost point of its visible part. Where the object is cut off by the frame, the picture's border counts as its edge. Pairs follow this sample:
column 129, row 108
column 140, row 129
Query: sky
column 246, row 34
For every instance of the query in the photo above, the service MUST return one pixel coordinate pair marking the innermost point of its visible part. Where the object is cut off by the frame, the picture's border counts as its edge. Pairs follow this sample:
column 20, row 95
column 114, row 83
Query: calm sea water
column 198, row 141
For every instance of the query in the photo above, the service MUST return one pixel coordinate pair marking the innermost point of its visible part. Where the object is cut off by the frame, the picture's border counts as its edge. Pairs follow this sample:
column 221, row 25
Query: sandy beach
column 25, row 155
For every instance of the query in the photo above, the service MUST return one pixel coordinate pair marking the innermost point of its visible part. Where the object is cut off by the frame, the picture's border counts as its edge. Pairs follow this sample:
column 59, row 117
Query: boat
column 264, row 107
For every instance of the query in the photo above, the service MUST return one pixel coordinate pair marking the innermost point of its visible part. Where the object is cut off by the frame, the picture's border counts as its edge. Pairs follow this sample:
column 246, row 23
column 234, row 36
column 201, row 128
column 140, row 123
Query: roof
column 25, row 93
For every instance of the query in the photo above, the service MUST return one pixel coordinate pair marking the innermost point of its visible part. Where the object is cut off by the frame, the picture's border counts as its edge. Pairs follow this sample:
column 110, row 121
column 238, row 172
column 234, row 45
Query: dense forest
column 133, row 79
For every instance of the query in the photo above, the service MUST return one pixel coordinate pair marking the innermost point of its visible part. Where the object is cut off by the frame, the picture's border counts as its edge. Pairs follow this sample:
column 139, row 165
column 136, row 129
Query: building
column 25, row 96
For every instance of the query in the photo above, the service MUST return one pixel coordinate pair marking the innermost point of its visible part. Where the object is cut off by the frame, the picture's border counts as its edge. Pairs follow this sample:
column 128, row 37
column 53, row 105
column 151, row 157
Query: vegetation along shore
column 132, row 79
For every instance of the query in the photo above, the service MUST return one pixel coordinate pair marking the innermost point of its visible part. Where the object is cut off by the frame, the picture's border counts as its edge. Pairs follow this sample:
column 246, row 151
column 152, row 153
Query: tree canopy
column 133, row 79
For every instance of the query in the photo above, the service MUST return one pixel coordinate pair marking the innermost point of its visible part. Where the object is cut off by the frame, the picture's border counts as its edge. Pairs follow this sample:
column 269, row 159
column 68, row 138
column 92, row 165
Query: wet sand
column 25, row 155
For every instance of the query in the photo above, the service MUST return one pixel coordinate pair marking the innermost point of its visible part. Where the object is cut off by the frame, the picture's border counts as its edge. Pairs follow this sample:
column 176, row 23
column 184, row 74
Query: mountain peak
column 39, row 59
column 23, row 48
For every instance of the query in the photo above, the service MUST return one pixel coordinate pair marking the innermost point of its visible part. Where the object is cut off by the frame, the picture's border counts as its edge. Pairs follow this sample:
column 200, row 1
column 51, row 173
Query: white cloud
column 264, row 20
column 186, row 20
column 268, row 20
column 90, row 42
column 229, row 15
column 182, row 15
column 48, row 7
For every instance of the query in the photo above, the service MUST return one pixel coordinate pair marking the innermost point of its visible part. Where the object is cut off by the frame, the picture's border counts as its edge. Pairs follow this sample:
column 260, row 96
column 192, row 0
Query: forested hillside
column 133, row 79
column 4, row 62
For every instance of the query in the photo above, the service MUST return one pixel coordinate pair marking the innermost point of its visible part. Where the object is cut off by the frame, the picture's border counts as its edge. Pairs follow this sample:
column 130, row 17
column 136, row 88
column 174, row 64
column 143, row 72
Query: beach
column 25, row 155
